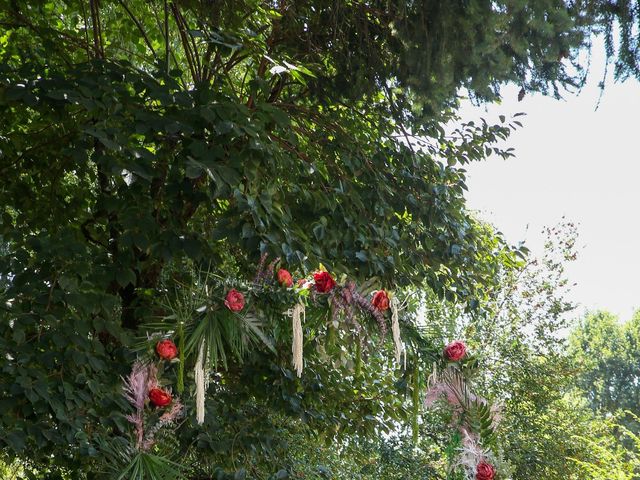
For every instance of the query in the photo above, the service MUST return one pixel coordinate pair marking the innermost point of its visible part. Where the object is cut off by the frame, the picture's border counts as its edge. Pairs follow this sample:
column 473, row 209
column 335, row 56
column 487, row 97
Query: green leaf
column 125, row 277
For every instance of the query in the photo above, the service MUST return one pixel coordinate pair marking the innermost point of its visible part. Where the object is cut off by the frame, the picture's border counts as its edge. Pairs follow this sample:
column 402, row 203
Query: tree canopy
column 153, row 154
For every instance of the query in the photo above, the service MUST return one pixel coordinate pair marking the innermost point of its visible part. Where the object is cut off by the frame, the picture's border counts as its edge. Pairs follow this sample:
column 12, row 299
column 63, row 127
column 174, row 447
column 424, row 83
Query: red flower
column 166, row 349
column 234, row 300
column 485, row 471
column 380, row 300
column 455, row 351
column 324, row 282
column 159, row 397
column 284, row 278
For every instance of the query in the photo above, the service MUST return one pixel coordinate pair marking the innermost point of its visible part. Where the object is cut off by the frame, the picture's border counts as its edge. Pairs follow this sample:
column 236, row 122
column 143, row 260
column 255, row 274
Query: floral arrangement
column 240, row 310
column 143, row 391
column 475, row 418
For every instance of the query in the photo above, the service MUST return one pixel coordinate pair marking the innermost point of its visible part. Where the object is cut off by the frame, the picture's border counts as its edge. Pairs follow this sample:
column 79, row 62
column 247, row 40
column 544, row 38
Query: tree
column 607, row 353
column 130, row 181
column 529, row 372
column 150, row 149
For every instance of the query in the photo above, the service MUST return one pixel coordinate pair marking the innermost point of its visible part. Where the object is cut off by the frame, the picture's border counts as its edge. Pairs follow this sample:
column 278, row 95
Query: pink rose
column 324, row 282
column 159, row 397
column 380, row 300
column 485, row 471
column 284, row 278
column 455, row 351
column 166, row 349
column 234, row 300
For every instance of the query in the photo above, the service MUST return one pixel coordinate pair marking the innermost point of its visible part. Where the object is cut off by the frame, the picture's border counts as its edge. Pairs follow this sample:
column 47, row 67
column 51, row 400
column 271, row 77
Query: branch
column 166, row 34
column 287, row 146
column 97, row 31
column 139, row 25
column 87, row 234
column 189, row 55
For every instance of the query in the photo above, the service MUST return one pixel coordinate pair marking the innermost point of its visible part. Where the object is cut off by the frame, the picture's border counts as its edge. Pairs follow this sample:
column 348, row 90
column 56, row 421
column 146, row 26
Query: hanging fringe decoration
column 180, row 333
column 415, row 397
column 201, row 373
column 395, row 330
column 433, row 378
column 297, row 313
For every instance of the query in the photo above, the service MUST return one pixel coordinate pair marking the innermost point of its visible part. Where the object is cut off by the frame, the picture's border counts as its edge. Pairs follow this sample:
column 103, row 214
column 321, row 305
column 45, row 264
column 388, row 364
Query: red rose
column 159, row 397
column 284, row 278
column 380, row 300
column 455, row 351
column 166, row 349
column 324, row 282
column 485, row 471
column 234, row 300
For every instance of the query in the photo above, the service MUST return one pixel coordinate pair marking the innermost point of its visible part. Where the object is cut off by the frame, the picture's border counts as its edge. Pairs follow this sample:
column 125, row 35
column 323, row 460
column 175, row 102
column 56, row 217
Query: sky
column 576, row 161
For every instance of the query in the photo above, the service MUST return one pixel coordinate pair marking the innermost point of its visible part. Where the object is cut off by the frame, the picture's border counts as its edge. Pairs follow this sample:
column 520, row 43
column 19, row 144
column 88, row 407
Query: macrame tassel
column 180, row 381
column 415, row 396
column 297, row 314
column 201, row 374
column 395, row 330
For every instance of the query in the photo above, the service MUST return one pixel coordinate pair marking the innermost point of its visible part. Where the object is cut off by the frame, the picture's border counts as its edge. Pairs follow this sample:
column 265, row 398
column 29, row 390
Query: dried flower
column 398, row 346
column 137, row 385
column 260, row 270
column 297, row 314
column 201, row 375
column 167, row 418
column 366, row 306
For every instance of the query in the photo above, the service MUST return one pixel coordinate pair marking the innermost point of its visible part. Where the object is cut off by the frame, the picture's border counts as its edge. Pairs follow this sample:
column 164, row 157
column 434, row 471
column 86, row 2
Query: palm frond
column 147, row 466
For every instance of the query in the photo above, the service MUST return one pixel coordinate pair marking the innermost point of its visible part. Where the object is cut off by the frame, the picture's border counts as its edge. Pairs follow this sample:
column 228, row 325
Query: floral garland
column 143, row 390
column 449, row 385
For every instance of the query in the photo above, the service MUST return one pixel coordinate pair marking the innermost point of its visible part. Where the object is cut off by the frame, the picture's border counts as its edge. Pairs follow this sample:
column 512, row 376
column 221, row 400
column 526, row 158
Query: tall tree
column 607, row 352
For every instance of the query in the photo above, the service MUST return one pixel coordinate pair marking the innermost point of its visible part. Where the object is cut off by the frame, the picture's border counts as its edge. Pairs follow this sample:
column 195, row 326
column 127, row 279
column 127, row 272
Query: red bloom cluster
column 455, row 351
column 485, row 471
column 324, row 282
column 159, row 397
column 284, row 278
column 380, row 300
column 234, row 300
column 166, row 349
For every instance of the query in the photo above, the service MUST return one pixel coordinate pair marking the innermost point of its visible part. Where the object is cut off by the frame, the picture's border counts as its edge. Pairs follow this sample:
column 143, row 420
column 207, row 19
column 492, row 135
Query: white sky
column 578, row 162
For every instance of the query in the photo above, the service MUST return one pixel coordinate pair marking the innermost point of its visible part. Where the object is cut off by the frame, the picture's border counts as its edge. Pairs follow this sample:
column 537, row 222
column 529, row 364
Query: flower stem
column 358, row 358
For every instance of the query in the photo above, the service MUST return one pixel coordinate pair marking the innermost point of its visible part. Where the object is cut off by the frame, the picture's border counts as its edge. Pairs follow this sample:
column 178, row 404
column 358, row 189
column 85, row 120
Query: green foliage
column 607, row 354
column 520, row 341
column 144, row 141
column 125, row 464
column 611, row 460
